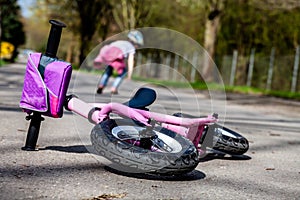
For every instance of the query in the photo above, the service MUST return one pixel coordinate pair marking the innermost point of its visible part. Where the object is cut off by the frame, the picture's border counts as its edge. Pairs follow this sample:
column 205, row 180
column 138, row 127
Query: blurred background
column 254, row 43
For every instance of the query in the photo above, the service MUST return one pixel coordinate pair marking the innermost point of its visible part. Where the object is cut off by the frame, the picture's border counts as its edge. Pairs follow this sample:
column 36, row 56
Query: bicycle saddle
column 142, row 98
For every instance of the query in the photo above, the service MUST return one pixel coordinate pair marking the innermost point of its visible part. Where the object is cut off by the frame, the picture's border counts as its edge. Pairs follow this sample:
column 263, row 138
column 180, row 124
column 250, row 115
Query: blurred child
column 119, row 56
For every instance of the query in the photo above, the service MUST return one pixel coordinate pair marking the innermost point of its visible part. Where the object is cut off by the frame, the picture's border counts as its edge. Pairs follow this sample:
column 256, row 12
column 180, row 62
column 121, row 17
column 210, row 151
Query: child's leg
column 118, row 81
column 104, row 79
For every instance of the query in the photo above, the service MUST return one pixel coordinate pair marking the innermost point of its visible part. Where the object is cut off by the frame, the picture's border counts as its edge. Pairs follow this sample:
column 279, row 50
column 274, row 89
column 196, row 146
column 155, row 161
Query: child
column 114, row 56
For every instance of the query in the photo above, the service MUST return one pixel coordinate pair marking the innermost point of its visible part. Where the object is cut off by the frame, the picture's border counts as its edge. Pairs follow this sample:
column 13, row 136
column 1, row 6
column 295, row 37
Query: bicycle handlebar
column 54, row 38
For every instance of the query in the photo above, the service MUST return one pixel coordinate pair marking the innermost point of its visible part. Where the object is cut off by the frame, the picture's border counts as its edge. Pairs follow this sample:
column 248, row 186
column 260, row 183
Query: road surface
column 64, row 168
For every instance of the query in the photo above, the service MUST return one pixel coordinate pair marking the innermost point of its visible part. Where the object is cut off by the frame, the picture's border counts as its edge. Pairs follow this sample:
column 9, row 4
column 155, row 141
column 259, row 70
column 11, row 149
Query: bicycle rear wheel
column 120, row 141
column 226, row 140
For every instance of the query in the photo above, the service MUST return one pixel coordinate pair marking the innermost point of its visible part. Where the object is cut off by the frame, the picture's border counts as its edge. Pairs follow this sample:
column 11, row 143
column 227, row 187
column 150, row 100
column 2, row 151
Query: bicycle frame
column 191, row 128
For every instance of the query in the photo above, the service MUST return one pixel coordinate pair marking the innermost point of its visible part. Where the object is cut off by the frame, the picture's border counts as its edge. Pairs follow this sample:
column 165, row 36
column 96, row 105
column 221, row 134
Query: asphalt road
column 65, row 168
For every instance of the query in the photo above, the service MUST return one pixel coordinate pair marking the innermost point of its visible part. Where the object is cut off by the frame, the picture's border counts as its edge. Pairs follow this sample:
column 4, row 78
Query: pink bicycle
column 138, row 140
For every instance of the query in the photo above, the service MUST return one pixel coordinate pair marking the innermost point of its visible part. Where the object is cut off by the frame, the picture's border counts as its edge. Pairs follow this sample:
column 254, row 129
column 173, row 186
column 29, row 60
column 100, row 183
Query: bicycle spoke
column 160, row 144
column 128, row 136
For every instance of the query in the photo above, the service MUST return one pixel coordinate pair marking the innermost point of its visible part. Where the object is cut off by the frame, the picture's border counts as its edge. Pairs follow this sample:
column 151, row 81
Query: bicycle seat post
column 36, row 118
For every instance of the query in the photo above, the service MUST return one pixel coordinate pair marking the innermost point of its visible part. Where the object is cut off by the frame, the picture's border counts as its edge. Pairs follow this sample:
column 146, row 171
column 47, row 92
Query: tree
column 247, row 26
column 276, row 4
column 83, row 20
column 244, row 24
column 91, row 15
column 285, row 17
column 128, row 14
column 11, row 26
column 212, row 27
column 212, row 10
column 114, row 16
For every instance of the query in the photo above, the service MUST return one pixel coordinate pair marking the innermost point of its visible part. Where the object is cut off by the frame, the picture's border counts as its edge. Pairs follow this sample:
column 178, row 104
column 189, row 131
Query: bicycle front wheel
column 165, row 153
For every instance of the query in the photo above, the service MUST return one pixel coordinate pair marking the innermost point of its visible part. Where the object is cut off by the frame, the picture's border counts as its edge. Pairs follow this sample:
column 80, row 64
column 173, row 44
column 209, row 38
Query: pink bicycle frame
column 191, row 128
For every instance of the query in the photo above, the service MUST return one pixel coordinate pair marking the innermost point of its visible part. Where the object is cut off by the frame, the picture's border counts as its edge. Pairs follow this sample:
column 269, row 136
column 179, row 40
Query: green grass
column 244, row 90
column 252, row 90
column 2, row 62
column 284, row 94
column 232, row 89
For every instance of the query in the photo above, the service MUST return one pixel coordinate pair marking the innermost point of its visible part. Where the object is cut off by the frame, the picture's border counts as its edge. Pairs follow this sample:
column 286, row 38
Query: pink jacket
column 113, row 56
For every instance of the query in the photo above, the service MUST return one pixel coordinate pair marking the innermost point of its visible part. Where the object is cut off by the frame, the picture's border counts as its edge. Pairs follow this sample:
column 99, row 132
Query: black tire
column 134, row 159
column 226, row 140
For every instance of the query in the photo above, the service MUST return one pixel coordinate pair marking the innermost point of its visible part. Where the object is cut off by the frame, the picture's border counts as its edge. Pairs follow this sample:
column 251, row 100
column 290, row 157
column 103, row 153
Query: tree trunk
column 211, row 30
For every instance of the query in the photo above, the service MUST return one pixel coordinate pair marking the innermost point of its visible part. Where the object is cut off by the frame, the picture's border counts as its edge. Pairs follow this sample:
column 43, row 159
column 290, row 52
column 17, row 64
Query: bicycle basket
column 46, row 92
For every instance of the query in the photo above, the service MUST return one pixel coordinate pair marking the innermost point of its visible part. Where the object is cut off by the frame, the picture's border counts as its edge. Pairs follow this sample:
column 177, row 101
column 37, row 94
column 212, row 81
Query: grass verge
column 233, row 89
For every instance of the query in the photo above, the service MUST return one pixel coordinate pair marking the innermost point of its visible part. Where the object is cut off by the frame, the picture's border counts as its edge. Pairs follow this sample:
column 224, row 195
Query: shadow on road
column 10, row 109
column 213, row 156
column 192, row 176
column 89, row 149
column 69, row 149
column 33, row 172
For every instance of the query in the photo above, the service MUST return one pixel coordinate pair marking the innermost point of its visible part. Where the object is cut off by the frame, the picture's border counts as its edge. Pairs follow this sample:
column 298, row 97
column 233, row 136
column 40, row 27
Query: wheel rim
column 226, row 133
column 131, row 134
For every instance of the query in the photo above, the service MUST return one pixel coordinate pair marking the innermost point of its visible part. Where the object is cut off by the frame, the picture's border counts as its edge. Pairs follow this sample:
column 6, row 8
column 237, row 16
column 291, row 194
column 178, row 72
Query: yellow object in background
column 6, row 50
